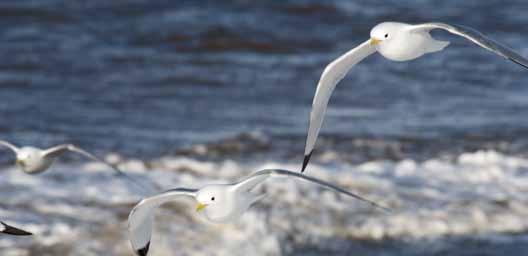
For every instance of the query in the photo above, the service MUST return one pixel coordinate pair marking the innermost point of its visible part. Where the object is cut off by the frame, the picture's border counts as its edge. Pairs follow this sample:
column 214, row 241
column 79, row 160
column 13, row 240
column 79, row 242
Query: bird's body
column 234, row 202
column 219, row 203
column 401, row 44
column 33, row 160
column 398, row 42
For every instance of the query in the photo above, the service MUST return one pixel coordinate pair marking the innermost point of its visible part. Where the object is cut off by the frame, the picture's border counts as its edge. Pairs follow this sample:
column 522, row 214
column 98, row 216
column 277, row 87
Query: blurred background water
column 211, row 81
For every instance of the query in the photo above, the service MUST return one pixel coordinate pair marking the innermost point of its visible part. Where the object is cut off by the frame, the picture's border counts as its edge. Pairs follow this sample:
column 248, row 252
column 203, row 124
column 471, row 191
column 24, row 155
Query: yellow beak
column 200, row 207
column 19, row 162
column 374, row 41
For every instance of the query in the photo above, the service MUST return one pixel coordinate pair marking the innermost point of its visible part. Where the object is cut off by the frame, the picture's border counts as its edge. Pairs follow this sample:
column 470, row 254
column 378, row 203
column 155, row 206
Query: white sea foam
column 83, row 208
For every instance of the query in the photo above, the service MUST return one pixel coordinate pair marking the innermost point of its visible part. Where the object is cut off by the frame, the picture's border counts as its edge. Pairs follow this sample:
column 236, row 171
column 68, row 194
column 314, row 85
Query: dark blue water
column 146, row 77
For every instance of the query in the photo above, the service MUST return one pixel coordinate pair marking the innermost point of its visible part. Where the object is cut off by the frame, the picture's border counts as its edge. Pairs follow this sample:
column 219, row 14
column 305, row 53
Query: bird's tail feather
column 436, row 45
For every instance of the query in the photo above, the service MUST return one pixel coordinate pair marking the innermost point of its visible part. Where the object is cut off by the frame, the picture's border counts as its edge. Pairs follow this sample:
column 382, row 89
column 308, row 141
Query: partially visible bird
column 10, row 230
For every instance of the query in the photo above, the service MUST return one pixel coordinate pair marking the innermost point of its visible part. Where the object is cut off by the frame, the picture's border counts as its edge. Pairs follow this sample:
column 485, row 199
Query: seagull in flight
column 10, row 230
column 398, row 42
column 34, row 160
column 219, row 203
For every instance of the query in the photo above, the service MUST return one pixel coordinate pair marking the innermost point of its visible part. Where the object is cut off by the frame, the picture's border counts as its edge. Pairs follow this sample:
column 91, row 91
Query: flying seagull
column 220, row 203
column 34, row 160
column 10, row 230
column 394, row 41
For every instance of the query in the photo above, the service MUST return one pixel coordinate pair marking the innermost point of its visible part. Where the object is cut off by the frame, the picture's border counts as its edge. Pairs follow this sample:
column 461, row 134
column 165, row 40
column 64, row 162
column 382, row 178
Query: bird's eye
column 212, row 198
column 386, row 35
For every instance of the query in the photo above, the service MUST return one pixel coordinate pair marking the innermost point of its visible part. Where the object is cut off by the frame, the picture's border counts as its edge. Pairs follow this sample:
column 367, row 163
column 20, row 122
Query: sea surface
column 186, row 93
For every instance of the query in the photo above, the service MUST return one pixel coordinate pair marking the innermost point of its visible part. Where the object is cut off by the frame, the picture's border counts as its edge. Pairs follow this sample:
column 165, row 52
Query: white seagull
column 34, row 160
column 394, row 41
column 10, row 230
column 220, row 203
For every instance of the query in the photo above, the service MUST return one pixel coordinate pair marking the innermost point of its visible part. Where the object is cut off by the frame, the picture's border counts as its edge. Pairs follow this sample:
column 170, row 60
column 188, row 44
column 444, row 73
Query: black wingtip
column 519, row 62
column 144, row 251
column 306, row 160
column 14, row 231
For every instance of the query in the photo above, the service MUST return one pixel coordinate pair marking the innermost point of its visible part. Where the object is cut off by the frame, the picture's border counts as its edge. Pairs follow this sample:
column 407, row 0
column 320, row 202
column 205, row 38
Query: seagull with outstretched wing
column 34, row 160
column 398, row 42
column 220, row 203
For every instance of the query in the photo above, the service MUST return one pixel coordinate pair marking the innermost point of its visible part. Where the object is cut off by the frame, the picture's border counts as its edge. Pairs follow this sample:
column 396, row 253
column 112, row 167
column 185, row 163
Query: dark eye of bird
column 212, row 198
column 386, row 35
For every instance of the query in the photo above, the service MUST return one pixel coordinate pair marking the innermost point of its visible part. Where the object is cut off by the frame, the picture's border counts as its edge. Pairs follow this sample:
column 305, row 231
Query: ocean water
column 184, row 93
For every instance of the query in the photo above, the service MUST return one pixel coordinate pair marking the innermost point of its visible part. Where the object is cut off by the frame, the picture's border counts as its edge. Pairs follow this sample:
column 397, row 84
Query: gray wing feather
column 183, row 191
column 9, row 145
column 264, row 174
column 477, row 38
column 57, row 150
column 165, row 196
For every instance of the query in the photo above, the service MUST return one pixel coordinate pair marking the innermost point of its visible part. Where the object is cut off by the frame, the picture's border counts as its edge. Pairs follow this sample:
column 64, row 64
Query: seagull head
column 384, row 32
column 219, row 202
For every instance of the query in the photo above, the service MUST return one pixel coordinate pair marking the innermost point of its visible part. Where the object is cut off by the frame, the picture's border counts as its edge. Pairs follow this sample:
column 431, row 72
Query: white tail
column 435, row 45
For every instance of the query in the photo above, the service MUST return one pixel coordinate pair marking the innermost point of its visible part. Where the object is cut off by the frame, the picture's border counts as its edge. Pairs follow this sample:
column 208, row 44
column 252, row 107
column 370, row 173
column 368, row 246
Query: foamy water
column 82, row 209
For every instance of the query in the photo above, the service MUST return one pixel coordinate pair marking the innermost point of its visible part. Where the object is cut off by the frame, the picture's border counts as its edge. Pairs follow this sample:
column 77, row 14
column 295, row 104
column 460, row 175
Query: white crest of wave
column 476, row 193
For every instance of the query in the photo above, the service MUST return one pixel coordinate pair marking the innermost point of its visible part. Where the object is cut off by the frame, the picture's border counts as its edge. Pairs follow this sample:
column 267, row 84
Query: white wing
column 10, row 230
column 60, row 149
column 258, row 177
column 332, row 74
column 477, row 38
column 141, row 218
column 9, row 145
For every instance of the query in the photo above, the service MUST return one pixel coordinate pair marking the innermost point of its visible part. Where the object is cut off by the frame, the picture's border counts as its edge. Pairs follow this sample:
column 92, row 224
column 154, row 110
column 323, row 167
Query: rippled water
column 232, row 81
column 148, row 77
